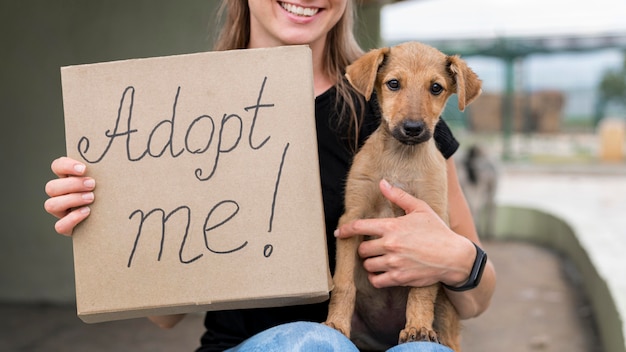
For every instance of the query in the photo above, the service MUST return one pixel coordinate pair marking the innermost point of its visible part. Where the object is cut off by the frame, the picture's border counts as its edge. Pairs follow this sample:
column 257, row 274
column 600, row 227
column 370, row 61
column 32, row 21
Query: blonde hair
column 341, row 50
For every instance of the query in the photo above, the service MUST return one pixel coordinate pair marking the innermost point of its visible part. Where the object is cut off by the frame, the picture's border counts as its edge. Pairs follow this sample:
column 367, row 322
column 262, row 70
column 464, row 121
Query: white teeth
column 298, row 10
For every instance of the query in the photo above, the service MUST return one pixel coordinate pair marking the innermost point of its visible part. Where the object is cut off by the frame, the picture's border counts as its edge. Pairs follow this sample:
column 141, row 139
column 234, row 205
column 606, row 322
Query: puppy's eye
column 436, row 89
column 393, row 84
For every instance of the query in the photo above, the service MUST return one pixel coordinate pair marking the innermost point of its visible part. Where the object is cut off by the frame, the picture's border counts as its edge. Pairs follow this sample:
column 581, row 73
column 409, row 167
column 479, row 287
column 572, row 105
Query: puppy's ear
column 362, row 73
column 468, row 85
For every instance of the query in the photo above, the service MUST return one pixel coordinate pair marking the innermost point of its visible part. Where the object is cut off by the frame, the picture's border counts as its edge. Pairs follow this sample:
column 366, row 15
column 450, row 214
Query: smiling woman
column 344, row 120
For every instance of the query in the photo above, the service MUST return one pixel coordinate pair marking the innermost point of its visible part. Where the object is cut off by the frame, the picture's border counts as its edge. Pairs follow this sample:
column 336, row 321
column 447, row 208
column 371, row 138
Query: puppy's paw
column 339, row 327
column 413, row 334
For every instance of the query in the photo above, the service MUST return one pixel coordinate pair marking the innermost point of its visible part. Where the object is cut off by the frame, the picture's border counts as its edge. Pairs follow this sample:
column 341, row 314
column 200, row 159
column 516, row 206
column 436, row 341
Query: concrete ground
column 536, row 307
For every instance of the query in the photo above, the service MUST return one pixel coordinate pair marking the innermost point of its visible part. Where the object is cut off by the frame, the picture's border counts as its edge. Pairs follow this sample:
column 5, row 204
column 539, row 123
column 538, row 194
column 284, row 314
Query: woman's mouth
column 299, row 10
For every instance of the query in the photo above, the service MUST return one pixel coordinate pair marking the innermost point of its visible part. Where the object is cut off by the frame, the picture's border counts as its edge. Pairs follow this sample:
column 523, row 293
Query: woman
column 413, row 250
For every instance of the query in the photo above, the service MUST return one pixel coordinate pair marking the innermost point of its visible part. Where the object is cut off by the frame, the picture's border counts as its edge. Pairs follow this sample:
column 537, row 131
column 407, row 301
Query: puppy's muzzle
column 411, row 132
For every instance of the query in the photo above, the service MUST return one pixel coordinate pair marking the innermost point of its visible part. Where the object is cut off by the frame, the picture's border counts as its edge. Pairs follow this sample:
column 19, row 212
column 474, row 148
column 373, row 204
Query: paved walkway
column 537, row 305
column 592, row 201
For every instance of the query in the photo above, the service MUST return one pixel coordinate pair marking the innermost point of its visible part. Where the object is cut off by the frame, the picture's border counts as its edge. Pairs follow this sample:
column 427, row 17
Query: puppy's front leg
column 343, row 296
column 420, row 315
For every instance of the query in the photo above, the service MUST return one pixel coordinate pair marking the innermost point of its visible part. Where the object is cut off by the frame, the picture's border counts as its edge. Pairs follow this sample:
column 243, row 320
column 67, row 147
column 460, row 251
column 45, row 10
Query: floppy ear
column 468, row 85
column 362, row 73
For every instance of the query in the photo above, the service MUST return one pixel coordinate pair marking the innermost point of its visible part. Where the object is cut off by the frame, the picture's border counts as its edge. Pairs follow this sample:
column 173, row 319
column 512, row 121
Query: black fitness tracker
column 476, row 273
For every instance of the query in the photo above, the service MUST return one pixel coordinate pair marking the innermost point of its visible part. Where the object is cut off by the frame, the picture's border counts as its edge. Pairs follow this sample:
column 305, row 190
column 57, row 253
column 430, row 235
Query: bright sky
column 464, row 19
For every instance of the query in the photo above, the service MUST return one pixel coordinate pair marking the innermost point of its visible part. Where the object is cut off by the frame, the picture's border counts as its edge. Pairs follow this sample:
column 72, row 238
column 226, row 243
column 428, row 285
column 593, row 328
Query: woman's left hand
column 417, row 249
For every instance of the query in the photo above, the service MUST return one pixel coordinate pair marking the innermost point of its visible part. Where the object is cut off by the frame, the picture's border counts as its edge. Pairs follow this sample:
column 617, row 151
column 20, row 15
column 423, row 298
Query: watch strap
column 475, row 275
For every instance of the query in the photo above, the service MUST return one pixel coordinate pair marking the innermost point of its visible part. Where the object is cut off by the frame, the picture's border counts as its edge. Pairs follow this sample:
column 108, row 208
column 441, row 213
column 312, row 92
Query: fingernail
column 386, row 184
column 336, row 233
column 89, row 183
column 85, row 210
column 79, row 168
column 88, row 196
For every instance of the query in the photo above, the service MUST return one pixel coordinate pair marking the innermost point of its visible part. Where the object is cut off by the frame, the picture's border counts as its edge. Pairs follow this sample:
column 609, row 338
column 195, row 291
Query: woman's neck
column 321, row 81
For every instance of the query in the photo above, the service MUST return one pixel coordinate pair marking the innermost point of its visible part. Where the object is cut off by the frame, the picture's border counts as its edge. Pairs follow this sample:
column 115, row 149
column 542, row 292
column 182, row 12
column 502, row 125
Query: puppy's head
column 413, row 81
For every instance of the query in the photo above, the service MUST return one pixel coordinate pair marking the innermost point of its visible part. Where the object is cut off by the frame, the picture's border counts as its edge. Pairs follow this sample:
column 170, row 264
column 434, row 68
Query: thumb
column 401, row 198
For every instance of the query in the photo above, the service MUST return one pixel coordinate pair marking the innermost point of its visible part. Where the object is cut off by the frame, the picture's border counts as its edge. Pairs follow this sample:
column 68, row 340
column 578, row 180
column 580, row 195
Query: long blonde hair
column 341, row 50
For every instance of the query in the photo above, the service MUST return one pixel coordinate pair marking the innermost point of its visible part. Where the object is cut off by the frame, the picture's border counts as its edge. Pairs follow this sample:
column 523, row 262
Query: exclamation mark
column 268, row 249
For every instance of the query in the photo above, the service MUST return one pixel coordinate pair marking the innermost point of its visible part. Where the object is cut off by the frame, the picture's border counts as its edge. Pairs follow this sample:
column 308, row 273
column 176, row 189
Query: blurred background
column 552, row 70
column 553, row 103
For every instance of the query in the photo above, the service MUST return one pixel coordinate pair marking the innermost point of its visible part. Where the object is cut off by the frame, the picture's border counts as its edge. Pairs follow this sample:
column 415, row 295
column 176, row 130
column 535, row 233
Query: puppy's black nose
column 413, row 128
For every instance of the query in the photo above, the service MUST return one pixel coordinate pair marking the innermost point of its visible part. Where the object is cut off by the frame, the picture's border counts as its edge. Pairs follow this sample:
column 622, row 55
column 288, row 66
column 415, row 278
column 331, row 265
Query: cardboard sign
column 208, row 194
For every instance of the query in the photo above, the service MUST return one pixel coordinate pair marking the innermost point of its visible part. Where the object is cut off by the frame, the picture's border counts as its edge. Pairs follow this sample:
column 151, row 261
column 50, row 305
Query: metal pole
column 507, row 106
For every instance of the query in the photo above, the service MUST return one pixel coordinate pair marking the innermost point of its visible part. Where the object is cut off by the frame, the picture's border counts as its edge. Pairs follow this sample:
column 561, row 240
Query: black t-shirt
column 226, row 329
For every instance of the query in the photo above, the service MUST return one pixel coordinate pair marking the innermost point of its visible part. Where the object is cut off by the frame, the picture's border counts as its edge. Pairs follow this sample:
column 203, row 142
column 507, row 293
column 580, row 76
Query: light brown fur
column 403, row 152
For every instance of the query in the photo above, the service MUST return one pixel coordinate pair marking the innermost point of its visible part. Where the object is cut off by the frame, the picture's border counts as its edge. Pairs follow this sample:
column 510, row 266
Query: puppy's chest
column 410, row 179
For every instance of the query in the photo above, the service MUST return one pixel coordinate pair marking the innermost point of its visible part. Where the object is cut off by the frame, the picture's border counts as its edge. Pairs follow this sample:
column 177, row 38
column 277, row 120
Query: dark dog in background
column 478, row 176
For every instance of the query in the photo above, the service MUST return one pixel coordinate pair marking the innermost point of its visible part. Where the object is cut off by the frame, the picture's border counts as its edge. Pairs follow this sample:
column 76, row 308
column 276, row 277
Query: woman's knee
column 420, row 347
column 297, row 336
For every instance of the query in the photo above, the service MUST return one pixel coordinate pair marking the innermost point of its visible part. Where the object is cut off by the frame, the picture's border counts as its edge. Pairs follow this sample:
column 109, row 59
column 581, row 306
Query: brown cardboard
column 236, row 179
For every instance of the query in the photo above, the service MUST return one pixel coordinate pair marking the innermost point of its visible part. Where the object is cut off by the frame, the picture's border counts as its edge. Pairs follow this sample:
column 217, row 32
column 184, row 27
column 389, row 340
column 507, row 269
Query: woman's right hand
column 70, row 194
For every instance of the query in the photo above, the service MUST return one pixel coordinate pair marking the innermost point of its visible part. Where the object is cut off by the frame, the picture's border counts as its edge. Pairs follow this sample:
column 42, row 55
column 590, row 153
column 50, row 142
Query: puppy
column 413, row 82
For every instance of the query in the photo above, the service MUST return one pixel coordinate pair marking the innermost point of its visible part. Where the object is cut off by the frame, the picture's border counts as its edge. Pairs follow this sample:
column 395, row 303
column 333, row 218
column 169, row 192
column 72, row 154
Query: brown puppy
column 413, row 81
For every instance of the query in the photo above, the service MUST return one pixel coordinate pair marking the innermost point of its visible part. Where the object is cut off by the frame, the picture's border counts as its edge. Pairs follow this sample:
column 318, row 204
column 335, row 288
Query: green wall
column 37, row 37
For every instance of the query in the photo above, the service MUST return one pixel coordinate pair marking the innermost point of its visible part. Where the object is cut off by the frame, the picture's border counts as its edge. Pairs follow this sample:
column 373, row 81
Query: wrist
column 474, row 275
column 460, row 257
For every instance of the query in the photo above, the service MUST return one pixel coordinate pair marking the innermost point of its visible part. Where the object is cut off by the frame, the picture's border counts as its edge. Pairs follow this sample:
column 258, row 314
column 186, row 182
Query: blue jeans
column 315, row 337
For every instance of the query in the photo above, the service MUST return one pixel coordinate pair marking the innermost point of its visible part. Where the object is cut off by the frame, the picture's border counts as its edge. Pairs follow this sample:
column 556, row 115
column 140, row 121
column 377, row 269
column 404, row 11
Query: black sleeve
column 446, row 143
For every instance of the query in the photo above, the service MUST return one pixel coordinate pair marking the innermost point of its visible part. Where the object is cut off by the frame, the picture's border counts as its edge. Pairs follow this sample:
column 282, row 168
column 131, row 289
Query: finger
column 62, row 205
column 376, row 265
column 371, row 248
column 67, row 185
column 400, row 198
column 65, row 225
column 362, row 227
column 383, row 279
column 64, row 166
